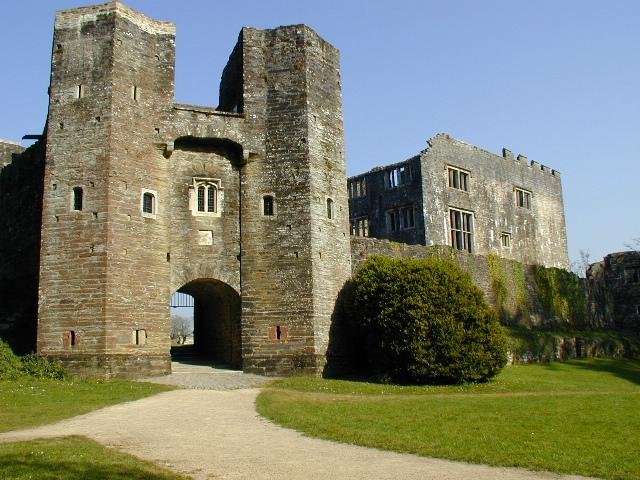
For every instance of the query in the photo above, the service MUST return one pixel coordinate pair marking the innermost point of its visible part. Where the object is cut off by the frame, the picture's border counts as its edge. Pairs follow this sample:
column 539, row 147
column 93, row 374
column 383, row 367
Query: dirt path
column 211, row 434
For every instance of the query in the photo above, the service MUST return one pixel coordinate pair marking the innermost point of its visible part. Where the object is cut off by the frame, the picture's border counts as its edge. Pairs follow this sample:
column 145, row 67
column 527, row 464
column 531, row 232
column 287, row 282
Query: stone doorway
column 216, row 324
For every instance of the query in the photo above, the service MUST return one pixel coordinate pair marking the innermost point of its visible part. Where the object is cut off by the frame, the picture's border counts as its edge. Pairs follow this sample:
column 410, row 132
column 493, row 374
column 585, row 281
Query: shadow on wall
column 21, row 189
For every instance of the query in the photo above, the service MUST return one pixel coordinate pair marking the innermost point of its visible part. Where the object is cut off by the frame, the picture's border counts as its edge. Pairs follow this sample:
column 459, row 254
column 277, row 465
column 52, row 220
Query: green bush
column 422, row 321
column 10, row 364
column 13, row 366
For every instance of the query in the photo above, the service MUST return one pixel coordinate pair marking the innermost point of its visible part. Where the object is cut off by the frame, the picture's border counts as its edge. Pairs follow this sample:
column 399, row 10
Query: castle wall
column 534, row 233
column 537, row 234
column 613, row 286
column 7, row 152
column 290, row 79
column 21, row 206
column 374, row 199
column 104, row 266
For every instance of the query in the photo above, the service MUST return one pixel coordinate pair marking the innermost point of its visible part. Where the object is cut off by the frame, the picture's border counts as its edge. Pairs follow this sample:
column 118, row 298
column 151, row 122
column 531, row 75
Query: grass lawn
column 74, row 458
column 28, row 402
column 580, row 417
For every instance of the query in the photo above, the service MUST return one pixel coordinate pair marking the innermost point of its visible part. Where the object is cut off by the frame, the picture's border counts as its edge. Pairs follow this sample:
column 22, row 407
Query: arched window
column 330, row 213
column 77, row 198
column 212, row 198
column 148, row 203
column 267, row 205
column 205, row 196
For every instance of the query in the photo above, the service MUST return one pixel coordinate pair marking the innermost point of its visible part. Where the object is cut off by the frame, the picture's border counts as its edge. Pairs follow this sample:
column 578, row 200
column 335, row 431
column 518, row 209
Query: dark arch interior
column 216, row 323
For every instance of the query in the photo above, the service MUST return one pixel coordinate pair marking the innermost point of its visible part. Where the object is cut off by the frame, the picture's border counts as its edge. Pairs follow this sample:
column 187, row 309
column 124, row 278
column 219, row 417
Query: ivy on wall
column 561, row 294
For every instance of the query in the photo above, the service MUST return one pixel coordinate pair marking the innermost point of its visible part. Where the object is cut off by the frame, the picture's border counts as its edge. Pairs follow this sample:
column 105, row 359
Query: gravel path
column 216, row 434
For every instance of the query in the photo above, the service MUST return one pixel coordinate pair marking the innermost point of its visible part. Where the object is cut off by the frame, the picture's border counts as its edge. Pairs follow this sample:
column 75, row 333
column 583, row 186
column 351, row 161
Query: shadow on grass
column 74, row 458
column 17, row 467
column 625, row 369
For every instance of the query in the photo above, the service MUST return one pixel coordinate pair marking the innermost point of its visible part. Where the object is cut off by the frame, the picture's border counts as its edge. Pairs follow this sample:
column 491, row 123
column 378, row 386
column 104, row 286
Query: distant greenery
column 74, row 458
column 561, row 294
column 577, row 417
column 13, row 366
column 422, row 321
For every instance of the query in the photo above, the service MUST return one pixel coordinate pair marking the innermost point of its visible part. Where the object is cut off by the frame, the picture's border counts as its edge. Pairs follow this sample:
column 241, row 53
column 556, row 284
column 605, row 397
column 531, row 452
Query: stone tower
column 243, row 206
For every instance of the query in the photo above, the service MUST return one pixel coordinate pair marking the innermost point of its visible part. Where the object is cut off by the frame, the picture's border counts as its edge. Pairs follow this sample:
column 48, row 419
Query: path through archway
column 216, row 323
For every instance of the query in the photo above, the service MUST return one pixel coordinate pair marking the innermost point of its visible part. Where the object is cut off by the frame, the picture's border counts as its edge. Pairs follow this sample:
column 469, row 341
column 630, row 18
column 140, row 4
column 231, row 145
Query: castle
column 129, row 197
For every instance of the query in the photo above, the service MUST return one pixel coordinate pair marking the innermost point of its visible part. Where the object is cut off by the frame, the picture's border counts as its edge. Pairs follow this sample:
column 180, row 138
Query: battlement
column 71, row 18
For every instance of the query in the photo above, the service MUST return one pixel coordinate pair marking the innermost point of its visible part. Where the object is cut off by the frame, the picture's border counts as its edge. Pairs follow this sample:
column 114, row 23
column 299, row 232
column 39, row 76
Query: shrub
column 13, row 366
column 10, row 365
column 40, row 367
column 422, row 321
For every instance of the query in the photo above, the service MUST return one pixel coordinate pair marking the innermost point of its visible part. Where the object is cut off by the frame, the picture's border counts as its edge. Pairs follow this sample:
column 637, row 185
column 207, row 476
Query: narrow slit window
column 139, row 337
column 211, row 198
column 135, row 93
column 77, row 198
column 79, row 91
column 267, row 205
column 201, row 195
column 330, row 213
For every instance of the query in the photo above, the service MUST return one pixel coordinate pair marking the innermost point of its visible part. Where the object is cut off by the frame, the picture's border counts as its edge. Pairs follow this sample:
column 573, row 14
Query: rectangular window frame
column 505, row 239
column 201, row 201
column 398, row 176
column 461, row 229
column 458, row 178
column 154, row 207
column 523, row 197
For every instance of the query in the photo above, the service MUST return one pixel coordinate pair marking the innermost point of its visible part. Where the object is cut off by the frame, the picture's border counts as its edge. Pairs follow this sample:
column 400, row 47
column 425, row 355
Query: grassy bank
column 578, row 417
column 28, row 401
column 74, row 458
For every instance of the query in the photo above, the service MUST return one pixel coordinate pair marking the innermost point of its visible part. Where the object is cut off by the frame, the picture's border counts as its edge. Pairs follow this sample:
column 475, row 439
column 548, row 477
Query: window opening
column 408, row 219
column 397, row 177
column 77, row 198
column 211, row 198
column 330, row 213
column 523, row 198
column 148, row 203
column 458, row 179
column 393, row 220
column 505, row 239
column 79, row 91
column 360, row 227
column 139, row 337
column 461, row 224
column 267, row 206
column 135, row 92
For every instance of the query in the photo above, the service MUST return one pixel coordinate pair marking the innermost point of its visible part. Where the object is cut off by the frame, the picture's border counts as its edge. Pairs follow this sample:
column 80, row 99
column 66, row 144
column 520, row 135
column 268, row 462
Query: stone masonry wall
column 535, row 234
column 7, row 152
column 613, row 286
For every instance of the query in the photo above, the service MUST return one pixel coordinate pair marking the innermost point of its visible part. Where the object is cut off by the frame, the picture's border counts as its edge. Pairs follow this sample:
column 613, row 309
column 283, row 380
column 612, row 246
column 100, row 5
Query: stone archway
column 216, row 321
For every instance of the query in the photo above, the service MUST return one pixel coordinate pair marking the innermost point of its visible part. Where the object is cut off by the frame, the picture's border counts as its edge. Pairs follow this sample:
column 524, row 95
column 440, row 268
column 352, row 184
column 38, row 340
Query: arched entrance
column 216, row 323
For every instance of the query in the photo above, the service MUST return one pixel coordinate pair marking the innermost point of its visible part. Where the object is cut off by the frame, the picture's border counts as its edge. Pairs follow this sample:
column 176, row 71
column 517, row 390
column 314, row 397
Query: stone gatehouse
column 129, row 197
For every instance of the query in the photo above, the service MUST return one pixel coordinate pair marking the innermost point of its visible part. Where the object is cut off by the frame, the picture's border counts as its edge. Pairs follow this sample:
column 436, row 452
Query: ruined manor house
column 128, row 197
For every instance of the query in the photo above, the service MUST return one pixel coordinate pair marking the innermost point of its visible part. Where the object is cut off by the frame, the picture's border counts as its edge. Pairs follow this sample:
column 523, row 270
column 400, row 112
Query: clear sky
column 558, row 81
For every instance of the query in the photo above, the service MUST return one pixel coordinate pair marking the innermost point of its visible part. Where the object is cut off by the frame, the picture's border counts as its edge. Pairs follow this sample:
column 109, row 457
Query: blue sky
column 556, row 81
